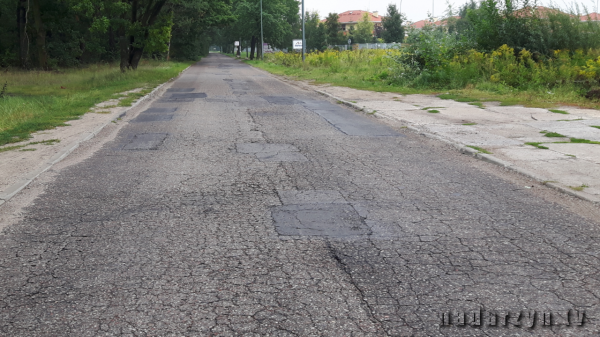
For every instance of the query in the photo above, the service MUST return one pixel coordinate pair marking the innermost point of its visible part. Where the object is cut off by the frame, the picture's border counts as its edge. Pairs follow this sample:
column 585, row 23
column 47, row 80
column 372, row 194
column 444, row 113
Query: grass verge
column 39, row 100
column 366, row 76
column 482, row 150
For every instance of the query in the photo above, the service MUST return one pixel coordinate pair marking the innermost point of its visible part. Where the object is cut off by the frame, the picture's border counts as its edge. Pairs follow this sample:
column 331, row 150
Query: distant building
column 591, row 17
column 349, row 19
column 437, row 23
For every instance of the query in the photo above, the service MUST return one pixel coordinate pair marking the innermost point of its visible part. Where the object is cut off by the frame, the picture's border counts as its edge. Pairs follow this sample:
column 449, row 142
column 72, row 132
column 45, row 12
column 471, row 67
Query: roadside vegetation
column 509, row 51
column 41, row 100
column 60, row 58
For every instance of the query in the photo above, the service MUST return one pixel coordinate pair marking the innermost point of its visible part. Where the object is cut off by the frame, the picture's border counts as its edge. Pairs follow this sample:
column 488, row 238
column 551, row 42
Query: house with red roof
column 349, row 19
column 590, row 17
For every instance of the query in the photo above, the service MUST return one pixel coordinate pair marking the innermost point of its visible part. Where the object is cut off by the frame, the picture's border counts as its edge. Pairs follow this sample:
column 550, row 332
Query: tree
column 280, row 22
column 333, row 29
column 364, row 30
column 392, row 25
column 192, row 20
column 316, row 39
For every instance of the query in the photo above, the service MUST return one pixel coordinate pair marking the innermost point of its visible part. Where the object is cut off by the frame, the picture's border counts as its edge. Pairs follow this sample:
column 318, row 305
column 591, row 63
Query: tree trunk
column 252, row 47
column 135, row 56
column 111, row 39
column 22, row 12
column 123, row 49
column 41, row 35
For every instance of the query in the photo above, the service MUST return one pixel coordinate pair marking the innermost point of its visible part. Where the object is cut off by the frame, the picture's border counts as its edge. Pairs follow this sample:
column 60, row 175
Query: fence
column 367, row 46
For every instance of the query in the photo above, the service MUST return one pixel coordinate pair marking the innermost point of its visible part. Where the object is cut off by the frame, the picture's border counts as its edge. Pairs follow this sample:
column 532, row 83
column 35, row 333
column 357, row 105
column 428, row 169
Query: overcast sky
column 414, row 10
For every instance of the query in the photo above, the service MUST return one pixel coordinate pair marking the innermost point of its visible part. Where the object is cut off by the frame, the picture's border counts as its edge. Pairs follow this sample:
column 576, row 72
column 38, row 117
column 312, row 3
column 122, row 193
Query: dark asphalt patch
column 189, row 95
column 221, row 100
column 348, row 122
column 326, row 220
column 160, row 110
column 284, row 100
column 175, row 100
column 180, row 90
column 146, row 141
column 152, row 118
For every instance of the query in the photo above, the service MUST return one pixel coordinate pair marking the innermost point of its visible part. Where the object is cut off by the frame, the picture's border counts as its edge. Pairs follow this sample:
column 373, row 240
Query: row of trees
column 46, row 34
column 49, row 33
column 282, row 24
column 319, row 35
column 280, row 21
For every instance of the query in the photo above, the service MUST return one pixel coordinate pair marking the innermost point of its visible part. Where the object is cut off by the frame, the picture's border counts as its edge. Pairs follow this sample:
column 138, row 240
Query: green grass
column 558, row 111
column 579, row 188
column 538, row 145
column 470, row 124
column 434, row 111
column 356, row 77
column 432, row 107
column 479, row 149
column 365, row 76
column 133, row 96
column 16, row 147
column 552, row 134
column 10, row 148
column 458, row 98
column 583, row 141
column 478, row 104
column 35, row 100
column 595, row 126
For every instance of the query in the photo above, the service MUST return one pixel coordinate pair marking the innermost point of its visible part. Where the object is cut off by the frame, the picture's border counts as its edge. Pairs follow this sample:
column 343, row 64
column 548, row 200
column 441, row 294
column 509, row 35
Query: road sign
column 297, row 44
column 236, row 43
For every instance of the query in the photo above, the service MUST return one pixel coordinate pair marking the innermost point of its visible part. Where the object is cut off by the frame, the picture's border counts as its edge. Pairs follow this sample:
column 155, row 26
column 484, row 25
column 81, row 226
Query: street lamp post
column 262, row 44
column 303, row 33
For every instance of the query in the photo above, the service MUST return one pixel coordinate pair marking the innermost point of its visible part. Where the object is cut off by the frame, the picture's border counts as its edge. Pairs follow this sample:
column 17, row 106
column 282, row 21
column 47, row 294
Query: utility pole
column 262, row 44
column 433, row 9
column 303, row 33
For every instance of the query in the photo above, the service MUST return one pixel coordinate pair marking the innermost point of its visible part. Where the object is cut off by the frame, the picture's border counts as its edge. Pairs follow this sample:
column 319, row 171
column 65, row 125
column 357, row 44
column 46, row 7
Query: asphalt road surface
column 240, row 205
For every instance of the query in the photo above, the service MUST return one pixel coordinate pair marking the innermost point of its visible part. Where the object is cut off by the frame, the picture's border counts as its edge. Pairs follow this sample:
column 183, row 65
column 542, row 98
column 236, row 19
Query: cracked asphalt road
column 259, row 209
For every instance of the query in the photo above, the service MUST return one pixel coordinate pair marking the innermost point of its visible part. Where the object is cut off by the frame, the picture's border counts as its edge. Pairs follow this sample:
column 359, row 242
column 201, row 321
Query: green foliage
column 316, row 38
column 192, row 23
column 36, row 100
column 364, row 30
column 521, row 24
column 333, row 30
column 393, row 31
column 77, row 32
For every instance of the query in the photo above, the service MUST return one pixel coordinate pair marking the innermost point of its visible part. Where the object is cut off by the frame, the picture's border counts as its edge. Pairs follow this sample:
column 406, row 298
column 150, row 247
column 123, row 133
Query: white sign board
column 236, row 43
column 297, row 44
column 267, row 48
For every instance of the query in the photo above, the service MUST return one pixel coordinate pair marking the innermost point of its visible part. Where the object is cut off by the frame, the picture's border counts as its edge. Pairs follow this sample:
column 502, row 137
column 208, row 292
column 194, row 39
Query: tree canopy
column 52, row 33
column 364, row 30
column 393, row 31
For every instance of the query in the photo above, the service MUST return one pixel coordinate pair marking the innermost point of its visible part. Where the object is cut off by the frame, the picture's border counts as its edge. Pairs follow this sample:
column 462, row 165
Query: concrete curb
column 15, row 188
column 467, row 150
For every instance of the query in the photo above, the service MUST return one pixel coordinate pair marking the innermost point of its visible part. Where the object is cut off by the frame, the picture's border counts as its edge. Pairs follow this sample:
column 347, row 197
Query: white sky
column 414, row 10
